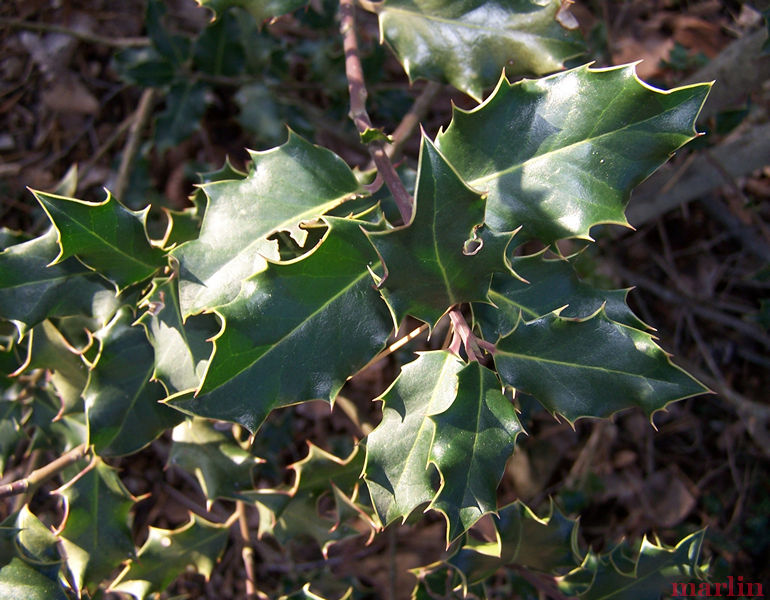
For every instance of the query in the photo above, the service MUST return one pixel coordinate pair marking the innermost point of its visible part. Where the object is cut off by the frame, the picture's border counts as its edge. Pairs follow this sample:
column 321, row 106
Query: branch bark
column 38, row 476
column 358, row 95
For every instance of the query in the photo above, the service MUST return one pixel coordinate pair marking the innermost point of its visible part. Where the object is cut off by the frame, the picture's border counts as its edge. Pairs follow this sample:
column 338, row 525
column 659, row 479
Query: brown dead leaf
column 68, row 95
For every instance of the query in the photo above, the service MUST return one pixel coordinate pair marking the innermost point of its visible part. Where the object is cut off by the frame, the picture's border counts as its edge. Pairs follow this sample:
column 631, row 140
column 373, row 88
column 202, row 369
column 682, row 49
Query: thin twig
column 38, row 476
column 412, row 119
column 358, row 95
column 401, row 342
column 93, row 38
column 132, row 145
column 247, row 552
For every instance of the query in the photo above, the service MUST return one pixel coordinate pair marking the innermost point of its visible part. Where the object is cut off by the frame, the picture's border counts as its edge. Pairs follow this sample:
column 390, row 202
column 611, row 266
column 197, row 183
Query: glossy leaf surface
column 122, row 403
column 561, row 154
column 474, row 438
column 31, row 291
column 289, row 184
column 320, row 311
column 443, row 256
column 398, row 450
column 96, row 533
column 469, row 43
column 182, row 349
column 548, row 284
column 590, row 368
column 105, row 236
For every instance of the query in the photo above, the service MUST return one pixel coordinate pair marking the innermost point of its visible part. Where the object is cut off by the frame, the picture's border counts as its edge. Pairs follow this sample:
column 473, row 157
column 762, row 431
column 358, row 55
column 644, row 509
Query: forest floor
column 699, row 260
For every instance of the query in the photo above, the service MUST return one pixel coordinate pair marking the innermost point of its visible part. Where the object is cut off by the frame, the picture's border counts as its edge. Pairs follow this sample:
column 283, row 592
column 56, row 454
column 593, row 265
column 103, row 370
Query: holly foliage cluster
column 279, row 284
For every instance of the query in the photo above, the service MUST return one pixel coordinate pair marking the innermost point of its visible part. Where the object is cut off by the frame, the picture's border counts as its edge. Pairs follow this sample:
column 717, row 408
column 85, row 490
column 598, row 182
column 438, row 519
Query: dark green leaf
column 469, row 43
column 185, row 106
column 122, row 403
column 590, row 368
column 167, row 553
column 96, row 535
column 20, row 581
column 145, row 67
column 259, row 9
column 11, row 433
column 649, row 577
column 105, row 236
column 561, row 154
column 218, row 50
column 398, row 450
column 319, row 311
column 548, row 284
column 222, row 467
column 294, row 513
column 182, row 349
column 522, row 538
column 174, row 48
column 31, row 291
column 289, row 184
column 444, row 256
column 474, row 438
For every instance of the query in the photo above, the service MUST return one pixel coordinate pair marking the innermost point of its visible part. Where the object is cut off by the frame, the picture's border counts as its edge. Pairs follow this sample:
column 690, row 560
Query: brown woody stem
column 358, row 95
column 38, row 476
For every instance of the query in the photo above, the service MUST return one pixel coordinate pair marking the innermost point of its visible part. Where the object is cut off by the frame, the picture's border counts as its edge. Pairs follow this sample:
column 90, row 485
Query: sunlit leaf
column 469, row 43
column 561, row 154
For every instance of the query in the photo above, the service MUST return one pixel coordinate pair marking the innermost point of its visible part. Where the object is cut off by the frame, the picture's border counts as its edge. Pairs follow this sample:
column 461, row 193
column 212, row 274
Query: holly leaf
column 167, row 553
column 122, row 402
column 469, row 43
column 289, row 184
column 399, row 449
column 445, row 255
column 105, row 236
column 222, row 467
column 259, row 9
column 182, row 349
column 653, row 573
column 521, row 538
column 11, row 432
column 185, row 106
column 590, row 368
column 546, row 285
column 473, row 440
column 31, row 291
column 319, row 311
column 48, row 349
column 294, row 513
column 20, row 581
column 561, row 154
column 96, row 536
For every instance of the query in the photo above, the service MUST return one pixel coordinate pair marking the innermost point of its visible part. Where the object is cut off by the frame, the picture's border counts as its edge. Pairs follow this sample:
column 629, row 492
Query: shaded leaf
column 522, row 538
column 20, row 581
column 48, row 349
column 469, row 43
column 96, row 534
column 218, row 50
column 185, row 106
column 398, row 450
column 182, row 349
column 590, row 368
column 473, row 440
column 11, row 433
column 294, row 513
column 549, row 284
column 122, row 403
column 561, row 154
column 444, row 256
column 648, row 577
column 259, row 9
column 222, row 467
column 286, row 185
column 31, row 291
column 167, row 553
column 319, row 311
column 105, row 236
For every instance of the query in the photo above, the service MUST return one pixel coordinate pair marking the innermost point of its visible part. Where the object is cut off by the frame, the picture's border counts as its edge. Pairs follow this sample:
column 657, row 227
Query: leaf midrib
column 588, row 140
